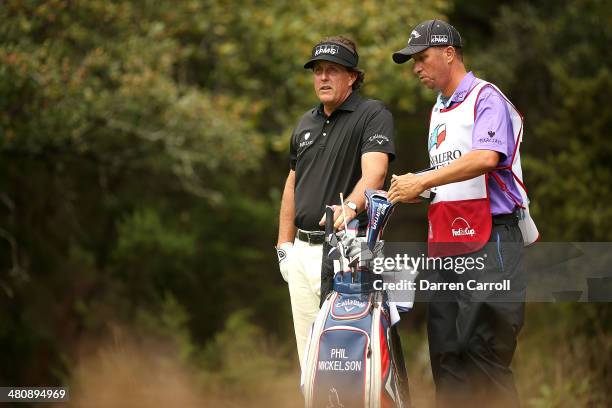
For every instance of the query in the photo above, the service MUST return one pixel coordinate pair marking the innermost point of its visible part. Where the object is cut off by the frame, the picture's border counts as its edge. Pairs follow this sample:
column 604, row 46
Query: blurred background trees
column 143, row 148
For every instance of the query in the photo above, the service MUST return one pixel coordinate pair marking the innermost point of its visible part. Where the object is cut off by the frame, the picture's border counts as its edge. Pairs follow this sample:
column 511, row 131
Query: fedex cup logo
column 460, row 227
column 326, row 49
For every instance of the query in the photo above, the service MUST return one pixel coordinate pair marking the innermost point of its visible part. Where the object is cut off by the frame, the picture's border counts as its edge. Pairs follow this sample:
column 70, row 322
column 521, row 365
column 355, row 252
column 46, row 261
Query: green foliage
column 170, row 322
column 550, row 57
column 138, row 145
column 112, row 95
column 569, row 394
column 567, row 364
column 150, row 256
column 143, row 145
column 241, row 357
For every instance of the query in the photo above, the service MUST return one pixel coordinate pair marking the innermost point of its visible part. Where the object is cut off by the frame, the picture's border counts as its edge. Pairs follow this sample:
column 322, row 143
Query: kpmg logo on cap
column 326, row 49
column 437, row 39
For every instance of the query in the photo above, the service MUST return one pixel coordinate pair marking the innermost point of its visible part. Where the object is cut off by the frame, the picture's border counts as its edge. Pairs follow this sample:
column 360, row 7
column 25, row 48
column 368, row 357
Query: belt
column 312, row 237
column 507, row 219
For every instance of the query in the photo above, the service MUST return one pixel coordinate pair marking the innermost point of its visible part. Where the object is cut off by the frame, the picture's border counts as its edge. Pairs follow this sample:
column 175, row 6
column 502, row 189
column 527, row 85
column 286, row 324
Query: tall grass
column 563, row 360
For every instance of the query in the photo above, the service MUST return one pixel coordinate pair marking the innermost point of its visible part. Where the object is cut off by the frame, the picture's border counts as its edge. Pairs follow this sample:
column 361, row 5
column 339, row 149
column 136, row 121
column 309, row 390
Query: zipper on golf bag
column 376, row 369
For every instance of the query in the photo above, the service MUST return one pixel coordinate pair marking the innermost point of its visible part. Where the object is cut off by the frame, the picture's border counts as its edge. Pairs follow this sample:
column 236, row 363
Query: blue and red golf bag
column 353, row 356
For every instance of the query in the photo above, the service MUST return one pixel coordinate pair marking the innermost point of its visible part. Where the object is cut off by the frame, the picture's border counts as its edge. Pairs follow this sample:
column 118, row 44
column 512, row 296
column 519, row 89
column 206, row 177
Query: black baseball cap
column 430, row 33
column 334, row 52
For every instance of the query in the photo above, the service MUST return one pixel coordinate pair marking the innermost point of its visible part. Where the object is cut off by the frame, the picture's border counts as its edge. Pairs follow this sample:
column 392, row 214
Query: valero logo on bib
column 437, row 136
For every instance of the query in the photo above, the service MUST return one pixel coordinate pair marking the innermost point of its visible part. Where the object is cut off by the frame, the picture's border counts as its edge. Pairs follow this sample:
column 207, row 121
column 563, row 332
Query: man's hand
column 339, row 218
column 405, row 189
column 283, row 251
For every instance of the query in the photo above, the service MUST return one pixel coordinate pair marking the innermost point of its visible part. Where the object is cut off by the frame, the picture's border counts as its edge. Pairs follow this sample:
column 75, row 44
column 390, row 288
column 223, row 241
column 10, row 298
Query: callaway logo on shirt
column 379, row 138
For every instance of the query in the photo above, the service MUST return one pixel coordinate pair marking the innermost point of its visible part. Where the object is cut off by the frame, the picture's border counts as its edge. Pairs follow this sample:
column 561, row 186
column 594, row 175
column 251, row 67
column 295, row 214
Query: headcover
column 334, row 52
column 379, row 211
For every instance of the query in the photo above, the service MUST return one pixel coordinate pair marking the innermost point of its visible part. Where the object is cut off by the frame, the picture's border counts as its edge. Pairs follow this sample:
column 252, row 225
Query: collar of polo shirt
column 350, row 104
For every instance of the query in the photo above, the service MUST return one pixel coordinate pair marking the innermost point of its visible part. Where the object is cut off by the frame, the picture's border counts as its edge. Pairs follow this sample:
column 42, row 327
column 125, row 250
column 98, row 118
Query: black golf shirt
column 326, row 154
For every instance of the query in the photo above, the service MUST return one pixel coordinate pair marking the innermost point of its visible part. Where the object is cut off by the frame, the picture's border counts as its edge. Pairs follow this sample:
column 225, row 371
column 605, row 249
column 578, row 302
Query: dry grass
column 125, row 375
column 553, row 369
column 133, row 374
column 136, row 374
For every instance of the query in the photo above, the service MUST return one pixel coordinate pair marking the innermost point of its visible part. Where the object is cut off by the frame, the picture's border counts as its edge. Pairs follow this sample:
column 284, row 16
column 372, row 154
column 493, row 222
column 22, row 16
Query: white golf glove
column 284, row 253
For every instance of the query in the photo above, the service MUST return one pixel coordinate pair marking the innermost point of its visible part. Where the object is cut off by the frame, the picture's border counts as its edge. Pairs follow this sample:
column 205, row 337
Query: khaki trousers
column 304, row 289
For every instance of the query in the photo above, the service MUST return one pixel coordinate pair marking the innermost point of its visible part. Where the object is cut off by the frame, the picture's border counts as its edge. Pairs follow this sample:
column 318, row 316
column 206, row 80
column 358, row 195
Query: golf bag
column 353, row 356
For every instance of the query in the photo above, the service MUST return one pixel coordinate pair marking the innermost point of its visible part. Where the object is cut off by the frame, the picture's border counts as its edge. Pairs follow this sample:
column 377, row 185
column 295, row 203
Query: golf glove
column 284, row 253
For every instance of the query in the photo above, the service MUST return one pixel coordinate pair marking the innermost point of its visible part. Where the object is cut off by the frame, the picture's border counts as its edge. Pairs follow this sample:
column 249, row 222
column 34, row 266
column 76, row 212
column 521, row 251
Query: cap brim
column 405, row 54
column 332, row 58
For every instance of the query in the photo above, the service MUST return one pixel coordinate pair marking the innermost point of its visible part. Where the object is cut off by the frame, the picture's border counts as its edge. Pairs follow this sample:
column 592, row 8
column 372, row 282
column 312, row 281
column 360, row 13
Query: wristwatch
column 351, row 205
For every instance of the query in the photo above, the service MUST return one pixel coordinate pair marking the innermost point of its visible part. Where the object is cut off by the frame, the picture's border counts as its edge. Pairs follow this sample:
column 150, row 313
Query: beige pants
column 304, row 289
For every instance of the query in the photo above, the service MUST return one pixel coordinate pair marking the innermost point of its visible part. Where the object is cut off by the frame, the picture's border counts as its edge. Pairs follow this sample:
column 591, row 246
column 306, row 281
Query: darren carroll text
column 427, row 285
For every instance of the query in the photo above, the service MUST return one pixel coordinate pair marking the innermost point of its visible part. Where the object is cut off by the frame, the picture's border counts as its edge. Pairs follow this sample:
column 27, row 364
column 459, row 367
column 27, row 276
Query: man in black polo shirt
column 343, row 145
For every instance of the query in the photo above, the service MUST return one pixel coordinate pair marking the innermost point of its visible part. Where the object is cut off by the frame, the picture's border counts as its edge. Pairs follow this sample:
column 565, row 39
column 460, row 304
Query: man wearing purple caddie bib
column 473, row 147
column 492, row 131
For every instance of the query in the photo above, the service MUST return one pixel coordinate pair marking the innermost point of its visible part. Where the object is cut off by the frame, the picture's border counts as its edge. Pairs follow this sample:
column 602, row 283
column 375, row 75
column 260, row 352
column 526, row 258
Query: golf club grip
column 329, row 220
column 424, row 170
